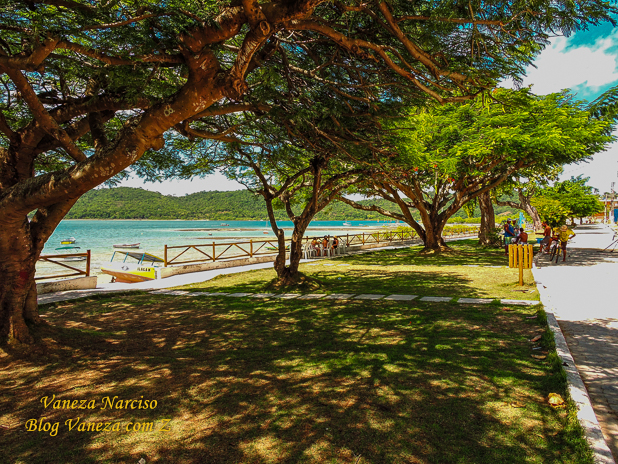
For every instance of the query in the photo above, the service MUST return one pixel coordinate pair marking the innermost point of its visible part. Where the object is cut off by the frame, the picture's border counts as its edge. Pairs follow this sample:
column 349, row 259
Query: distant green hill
column 136, row 203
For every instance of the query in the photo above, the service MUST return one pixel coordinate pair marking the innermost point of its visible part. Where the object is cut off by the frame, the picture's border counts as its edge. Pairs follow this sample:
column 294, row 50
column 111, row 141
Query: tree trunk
column 488, row 218
column 288, row 275
column 432, row 235
column 18, row 297
column 530, row 210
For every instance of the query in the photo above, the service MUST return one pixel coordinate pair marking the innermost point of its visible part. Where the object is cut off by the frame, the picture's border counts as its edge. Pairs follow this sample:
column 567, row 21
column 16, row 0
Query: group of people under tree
column 513, row 234
column 326, row 246
column 560, row 235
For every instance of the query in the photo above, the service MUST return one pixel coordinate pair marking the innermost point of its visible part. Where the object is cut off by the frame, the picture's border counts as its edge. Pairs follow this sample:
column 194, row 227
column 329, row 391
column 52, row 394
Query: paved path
column 584, row 295
column 349, row 296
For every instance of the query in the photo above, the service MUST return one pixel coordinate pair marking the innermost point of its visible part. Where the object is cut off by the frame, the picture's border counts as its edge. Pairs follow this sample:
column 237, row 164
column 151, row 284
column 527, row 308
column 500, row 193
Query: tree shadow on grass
column 288, row 381
column 463, row 252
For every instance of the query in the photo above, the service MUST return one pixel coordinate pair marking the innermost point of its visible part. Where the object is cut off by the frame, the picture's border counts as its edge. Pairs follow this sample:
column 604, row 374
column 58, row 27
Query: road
column 583, row 292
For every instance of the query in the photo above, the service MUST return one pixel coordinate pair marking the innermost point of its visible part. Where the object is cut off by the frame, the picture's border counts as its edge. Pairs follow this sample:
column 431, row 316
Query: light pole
column 611, row 216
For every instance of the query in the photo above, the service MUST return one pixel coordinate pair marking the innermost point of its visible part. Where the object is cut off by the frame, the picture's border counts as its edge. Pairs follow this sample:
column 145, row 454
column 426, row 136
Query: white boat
column 347, row 224
column 71, row 250
column 130, row 272
column 127, row 245
column 68, row 241
column 224, row 224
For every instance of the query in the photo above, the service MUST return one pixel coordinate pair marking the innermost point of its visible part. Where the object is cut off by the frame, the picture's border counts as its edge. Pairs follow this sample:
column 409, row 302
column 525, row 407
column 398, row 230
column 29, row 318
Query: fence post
column 214, row 258
column 363, row 238
column 521, row 264
column 88, row 263
column 250, row 248
column 164, row 255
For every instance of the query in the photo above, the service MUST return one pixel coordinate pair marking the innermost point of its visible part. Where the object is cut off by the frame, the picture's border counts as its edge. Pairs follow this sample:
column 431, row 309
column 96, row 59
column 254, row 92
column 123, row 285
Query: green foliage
column 453, row 143
column 551, row 210
column 448, row 155
column 133, row 203
column 576, row 199
column 469, row 208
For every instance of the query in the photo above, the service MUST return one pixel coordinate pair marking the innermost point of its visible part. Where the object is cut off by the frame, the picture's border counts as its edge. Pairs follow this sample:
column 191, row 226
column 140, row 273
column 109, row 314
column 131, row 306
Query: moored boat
column 68, row 241
column 71, row 250
column 126, row 245
column 128, row 272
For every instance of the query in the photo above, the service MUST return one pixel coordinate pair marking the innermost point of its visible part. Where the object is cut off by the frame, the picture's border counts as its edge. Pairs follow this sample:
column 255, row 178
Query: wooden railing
column 77, row 272
column 222, row 250
column 218, row 251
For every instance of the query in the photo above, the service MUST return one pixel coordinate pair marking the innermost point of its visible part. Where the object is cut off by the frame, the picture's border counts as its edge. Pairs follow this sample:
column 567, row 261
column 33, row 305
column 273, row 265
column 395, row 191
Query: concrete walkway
column 583, row 293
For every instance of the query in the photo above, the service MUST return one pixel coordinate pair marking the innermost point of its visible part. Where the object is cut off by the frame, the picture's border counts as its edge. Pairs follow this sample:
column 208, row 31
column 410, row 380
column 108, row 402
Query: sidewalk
column 583, row 293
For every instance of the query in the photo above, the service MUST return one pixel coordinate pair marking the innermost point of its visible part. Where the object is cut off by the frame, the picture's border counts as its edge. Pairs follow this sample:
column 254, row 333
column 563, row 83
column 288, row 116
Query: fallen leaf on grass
column 517, row 404
column 536, row 339
column 555, row 400
column 539, row 356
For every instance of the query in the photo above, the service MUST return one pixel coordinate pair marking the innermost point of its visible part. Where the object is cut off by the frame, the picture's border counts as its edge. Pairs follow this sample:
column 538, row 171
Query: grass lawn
column 245, row 380
column 402, row 271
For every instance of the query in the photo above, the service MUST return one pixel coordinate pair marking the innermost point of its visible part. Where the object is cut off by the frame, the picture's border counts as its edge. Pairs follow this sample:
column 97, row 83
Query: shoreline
column 251, row 229
column 224, row 220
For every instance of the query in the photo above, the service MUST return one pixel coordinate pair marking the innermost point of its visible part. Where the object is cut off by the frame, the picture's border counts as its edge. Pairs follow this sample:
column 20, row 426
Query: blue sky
column 586, row 62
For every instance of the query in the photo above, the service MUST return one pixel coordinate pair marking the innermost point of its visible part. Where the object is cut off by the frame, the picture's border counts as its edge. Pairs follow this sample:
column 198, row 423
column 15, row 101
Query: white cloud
column 586, row 68
column 184, row 187
column 560, row 67
column 602, row 169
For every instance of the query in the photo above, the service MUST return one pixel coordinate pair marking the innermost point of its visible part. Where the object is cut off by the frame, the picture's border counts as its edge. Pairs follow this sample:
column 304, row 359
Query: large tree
column 576, row 198
column 516, row 192
column 89, row 88
column 296, row 154
column 455, row 153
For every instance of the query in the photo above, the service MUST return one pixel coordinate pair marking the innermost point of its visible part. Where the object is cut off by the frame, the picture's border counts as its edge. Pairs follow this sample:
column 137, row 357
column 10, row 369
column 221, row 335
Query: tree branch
column 48, row 123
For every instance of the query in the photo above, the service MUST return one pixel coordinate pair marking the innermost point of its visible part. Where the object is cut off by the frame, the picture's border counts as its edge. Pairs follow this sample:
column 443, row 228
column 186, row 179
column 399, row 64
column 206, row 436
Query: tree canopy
column 451, row 154
column 90, row 88
column 575, row 198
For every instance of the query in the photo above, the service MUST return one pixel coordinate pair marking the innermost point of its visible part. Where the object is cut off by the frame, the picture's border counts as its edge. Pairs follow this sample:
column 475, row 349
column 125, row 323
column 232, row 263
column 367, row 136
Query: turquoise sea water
column 99, row 236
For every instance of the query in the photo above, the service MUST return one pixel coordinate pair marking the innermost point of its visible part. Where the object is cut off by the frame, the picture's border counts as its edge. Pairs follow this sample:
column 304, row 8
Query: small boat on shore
column 68, row 241
column 71, row 250
column 127, row 245
column 130, row 272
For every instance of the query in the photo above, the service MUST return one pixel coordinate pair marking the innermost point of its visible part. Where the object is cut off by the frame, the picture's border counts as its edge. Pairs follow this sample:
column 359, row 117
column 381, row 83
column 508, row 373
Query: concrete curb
column 577, row 390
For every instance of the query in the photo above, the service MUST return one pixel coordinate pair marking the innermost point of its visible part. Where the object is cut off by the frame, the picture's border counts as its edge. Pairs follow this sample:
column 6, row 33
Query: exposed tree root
column 298, row 282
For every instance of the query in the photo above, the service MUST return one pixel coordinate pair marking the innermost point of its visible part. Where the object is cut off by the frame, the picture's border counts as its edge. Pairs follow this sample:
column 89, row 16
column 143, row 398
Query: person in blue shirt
column 509, row 233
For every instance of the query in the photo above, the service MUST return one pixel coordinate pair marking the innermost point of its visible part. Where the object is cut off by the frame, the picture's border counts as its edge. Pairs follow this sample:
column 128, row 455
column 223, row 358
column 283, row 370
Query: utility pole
column 611, row 216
